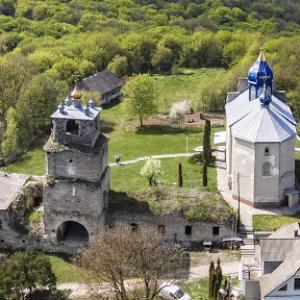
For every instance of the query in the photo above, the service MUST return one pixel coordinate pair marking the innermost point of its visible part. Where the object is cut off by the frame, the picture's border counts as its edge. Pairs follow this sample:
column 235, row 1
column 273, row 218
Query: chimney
column 242, row 84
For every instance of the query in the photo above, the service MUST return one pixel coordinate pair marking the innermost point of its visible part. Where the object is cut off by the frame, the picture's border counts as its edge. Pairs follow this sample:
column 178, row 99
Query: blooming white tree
column 151, row 170
column 178, row 110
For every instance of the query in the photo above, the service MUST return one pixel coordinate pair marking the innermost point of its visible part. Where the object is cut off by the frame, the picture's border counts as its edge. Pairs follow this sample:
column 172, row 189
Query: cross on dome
column 260, row 78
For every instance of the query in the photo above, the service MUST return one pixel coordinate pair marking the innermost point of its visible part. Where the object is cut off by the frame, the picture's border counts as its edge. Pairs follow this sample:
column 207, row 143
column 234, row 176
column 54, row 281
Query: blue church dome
column 260, row 78
column 260, row 69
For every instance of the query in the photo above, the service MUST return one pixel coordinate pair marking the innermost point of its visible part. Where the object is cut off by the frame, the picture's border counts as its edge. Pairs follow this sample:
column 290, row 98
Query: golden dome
column 76, row 94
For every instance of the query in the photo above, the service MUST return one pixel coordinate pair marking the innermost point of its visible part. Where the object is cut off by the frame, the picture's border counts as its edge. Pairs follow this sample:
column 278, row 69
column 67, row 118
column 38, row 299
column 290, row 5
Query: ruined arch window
column 161, row 229
column 267, row 152
column 72, row 127
column 267, row 169
column 216, row 230
column 134, row 226
column 188, row 230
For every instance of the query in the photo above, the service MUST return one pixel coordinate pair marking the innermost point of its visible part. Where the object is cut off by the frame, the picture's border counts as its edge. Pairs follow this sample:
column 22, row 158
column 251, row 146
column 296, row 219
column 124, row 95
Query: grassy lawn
column 192, row 177
column 66, row 271
column 197, row 289
column 175, row 88
column 271, row 222
column 128, row 140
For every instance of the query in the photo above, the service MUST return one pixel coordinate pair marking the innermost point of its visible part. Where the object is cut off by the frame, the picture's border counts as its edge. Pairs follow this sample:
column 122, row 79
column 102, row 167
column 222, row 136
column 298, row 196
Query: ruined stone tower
column 77, row 186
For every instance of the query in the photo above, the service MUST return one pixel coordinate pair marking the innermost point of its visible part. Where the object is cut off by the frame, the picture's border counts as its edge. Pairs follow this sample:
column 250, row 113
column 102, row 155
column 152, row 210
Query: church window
column 267, row 152
column 188, row 230
column 216, row 230
column 70, row 160
column 283, row 288
column 266, row 169
column 72, row 127
column 297, row 284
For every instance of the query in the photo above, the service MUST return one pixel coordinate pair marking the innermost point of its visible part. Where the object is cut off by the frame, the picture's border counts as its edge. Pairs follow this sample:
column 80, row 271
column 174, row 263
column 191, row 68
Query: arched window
column 267, row 169
column 72, row 127
column 267, row 152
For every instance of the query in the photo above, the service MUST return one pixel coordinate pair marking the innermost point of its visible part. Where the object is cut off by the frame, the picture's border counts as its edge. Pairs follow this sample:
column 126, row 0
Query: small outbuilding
column 106, row 83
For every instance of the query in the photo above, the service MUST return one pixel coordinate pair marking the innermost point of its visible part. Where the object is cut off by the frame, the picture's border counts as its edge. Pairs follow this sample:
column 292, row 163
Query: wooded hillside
column 44, row 45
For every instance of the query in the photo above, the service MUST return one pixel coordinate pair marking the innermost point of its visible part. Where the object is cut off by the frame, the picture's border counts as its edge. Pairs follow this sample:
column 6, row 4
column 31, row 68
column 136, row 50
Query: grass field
column 65, row 270
column 174, row 88
column 130, row 141
column 128, row 178
column 272, row 223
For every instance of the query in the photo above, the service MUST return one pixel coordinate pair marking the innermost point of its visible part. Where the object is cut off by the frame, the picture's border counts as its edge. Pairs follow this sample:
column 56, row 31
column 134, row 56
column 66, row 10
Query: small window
column 297, row 284
column 283, row 288
column 134, row 226
column 70, row 160
column 266, row 169
column 267, row 152
column 188, row 230
column 216, row 230
column 161, row 229
column 72, row 127
column 2, row 241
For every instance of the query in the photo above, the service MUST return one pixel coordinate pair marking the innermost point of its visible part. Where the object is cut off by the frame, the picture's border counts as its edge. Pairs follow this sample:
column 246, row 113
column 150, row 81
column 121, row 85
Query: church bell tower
column 76, row 192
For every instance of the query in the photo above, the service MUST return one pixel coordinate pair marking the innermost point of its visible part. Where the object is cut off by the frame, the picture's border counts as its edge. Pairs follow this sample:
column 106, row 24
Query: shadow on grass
column 107, row 126
column 165, row 129
column 112, row 103
column 120, row 201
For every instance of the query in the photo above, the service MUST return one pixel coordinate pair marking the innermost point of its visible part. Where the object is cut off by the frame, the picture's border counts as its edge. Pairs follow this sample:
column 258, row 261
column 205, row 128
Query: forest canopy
column 44, row 45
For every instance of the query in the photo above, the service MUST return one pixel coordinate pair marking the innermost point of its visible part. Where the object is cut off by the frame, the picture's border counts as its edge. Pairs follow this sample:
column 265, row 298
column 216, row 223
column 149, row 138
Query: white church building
column 260, row 141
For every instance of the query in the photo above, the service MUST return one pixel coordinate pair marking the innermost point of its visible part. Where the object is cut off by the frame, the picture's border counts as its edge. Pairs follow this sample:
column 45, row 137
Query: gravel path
column 198, row 272
column 143, row 158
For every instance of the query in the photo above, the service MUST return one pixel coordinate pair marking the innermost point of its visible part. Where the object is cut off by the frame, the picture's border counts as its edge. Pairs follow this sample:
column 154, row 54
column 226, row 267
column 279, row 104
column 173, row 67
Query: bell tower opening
column 72, row 127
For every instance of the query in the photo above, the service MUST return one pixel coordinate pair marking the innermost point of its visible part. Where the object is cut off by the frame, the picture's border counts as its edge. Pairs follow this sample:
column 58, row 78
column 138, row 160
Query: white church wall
column 290, row 292
column 228, row 151
column 243, row 163
column 266, row 186
column 287, row 166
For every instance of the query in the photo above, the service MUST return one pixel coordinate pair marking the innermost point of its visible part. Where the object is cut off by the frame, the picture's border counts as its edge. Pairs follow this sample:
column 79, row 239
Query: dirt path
column 198, row 272
column 143, row 158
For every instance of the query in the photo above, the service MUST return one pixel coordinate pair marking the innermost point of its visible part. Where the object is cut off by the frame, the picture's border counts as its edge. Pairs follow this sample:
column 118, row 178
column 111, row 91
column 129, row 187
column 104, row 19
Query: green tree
column 162, row 60
column 211, row 280
column 119, row 65
column 10, row 143
column 206, row 142
column 139, row 93
column 25, row 273
column 204, row 173
column 180, row 176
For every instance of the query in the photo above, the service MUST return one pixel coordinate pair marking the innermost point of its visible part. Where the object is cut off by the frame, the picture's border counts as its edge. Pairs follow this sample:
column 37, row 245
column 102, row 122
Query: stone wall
column 88, row 132
column 175, row 227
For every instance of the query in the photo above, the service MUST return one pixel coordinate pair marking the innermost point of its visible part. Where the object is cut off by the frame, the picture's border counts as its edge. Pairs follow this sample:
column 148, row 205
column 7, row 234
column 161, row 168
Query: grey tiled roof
column 103, row 82
column 276, row 250
column 76, row 112
column 289, row 268
column 253, row 122
column 11, row 185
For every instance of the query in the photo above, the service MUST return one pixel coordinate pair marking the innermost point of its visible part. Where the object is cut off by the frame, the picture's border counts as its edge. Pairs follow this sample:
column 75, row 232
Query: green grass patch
column 32, row 162
column 66, row 271
column 128, row 178
column 197, row 289
column 36, row 216
column 273, row 222
column 186, row 86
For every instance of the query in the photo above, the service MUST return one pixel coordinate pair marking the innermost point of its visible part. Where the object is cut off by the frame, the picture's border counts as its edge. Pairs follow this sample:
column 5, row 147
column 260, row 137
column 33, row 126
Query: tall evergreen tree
column 180, row 176
column 206, row 142
column 204, row 174
column 211, row 280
